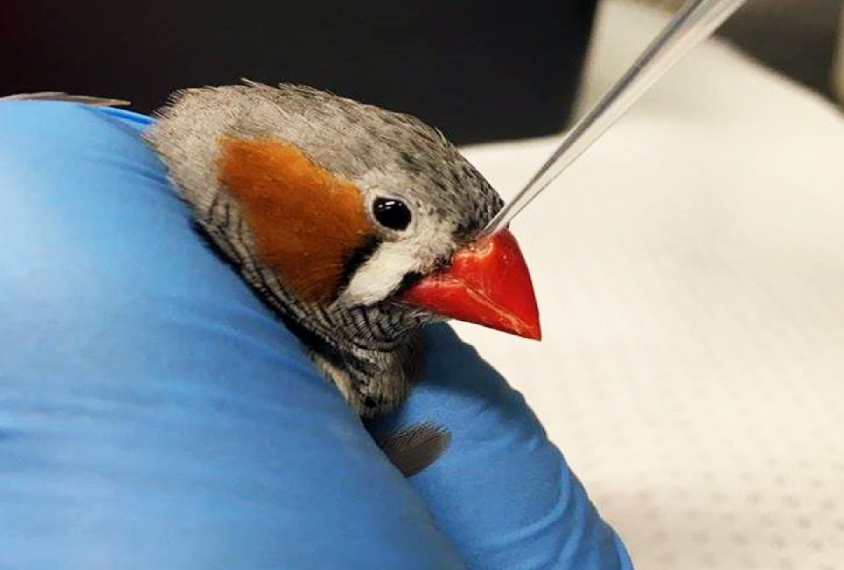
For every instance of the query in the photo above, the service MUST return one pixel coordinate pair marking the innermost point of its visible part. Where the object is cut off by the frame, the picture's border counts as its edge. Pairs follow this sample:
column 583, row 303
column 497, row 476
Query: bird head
column 347, row 206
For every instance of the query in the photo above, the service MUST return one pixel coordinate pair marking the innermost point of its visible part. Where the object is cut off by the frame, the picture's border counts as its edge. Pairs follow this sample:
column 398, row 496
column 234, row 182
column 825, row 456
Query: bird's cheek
column 381, row 274
column 305, row 219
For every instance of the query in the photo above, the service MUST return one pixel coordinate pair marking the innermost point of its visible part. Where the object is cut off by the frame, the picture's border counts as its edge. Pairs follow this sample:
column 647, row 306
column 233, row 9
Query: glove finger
column 501, row 491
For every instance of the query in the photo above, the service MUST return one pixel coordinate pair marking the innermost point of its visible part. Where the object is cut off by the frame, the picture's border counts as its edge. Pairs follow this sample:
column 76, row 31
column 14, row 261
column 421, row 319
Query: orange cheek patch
column 306, row 221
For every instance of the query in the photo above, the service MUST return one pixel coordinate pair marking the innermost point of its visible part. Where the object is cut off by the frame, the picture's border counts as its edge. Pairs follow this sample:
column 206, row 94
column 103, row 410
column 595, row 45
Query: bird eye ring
column 391, row 213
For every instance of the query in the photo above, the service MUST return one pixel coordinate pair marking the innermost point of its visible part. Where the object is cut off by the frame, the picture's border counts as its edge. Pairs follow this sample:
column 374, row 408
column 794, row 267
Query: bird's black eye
column 391, row 213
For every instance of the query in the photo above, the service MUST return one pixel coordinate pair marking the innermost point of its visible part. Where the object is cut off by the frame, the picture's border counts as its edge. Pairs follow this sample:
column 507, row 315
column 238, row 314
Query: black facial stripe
column 358, row 257
column 408, row 281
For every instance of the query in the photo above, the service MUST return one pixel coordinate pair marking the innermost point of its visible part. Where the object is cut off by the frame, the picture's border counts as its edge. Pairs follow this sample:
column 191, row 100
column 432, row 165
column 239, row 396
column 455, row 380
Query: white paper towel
column 690, row 275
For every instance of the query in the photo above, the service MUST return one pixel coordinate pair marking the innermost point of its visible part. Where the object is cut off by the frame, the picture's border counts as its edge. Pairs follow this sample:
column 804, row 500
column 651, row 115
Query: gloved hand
column 153, row 414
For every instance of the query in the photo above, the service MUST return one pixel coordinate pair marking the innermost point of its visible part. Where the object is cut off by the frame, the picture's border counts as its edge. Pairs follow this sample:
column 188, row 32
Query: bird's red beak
column 486, row 283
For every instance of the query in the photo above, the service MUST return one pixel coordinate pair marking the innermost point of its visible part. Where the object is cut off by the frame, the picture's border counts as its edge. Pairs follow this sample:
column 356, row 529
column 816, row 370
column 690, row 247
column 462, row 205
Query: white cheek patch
column 382, row 273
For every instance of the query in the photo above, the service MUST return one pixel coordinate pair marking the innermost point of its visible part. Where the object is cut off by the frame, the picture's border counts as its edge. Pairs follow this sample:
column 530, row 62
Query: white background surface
column 690, row 275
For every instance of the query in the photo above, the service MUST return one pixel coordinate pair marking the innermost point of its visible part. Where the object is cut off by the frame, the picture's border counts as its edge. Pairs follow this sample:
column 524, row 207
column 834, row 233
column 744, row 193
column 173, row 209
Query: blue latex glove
column 153, row 414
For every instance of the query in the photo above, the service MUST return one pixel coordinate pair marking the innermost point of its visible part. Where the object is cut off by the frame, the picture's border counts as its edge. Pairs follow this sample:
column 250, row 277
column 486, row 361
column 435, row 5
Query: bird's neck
column 372, row 354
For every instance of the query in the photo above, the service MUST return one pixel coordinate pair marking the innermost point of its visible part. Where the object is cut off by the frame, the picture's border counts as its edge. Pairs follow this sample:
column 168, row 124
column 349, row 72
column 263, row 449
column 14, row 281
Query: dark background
column 479, row 69
column 798, row 37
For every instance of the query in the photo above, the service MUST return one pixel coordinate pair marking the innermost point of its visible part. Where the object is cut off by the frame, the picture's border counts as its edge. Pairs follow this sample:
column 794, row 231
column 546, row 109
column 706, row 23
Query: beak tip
column 528, row 328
